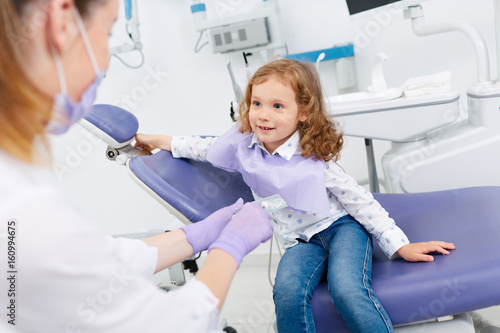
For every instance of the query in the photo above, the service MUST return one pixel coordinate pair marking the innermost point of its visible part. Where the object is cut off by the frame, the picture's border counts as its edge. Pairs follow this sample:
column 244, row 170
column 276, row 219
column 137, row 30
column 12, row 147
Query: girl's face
column 274, row 114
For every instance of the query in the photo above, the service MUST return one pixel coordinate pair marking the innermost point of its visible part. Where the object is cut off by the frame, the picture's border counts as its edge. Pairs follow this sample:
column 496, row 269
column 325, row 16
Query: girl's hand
column 418, row 251
column 144, row 141
column 151, row 142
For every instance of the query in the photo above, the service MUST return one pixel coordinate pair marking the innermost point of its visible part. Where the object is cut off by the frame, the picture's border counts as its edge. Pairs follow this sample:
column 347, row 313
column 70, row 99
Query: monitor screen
column 358, row 6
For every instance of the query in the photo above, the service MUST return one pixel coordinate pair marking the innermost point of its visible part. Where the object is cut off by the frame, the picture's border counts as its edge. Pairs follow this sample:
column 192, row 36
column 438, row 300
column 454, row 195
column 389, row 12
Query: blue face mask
column 66, row 112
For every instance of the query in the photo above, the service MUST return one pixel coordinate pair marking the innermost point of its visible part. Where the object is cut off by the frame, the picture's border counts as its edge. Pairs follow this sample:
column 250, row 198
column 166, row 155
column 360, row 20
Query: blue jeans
column 342, row 252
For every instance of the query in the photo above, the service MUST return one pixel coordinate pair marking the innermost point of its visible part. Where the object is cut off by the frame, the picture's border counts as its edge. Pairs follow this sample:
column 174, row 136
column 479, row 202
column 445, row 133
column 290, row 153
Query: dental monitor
column 362, row 6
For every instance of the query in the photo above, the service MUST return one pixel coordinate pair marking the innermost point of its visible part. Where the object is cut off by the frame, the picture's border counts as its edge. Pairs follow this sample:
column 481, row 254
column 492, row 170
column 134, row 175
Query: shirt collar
column 287, row 150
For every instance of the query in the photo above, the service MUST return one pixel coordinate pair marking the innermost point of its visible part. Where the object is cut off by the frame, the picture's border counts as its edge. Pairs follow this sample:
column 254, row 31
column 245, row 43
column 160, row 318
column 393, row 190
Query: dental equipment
column 357, row 7
column 378, row 91
column 236, row 87
column 272, row 203
column 256, row 28
column 416, row 14
column 248, row 68
column 343, row 58
column 433, row 297
column 132, row 28
column 428, row 145
column 320, row 57
column 378, row 79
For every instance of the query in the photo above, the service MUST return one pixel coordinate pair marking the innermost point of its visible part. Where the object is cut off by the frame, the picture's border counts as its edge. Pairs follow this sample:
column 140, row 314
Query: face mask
column 66, row 112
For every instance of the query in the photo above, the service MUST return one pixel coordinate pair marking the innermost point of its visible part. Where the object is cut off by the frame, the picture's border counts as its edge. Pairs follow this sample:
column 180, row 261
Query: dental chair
column 419, row 297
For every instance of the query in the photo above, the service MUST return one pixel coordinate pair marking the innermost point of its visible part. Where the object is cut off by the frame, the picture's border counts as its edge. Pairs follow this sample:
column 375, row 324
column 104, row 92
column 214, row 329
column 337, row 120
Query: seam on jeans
column 307, row 288
column 369, row 290
column 323, row 239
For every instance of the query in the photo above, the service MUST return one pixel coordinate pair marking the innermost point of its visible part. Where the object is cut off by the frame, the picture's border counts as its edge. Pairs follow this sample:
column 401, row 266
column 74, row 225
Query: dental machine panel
column 256, row 28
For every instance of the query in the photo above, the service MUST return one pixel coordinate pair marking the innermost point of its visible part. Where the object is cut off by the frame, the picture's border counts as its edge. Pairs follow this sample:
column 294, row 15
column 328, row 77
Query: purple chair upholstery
column 467, row 279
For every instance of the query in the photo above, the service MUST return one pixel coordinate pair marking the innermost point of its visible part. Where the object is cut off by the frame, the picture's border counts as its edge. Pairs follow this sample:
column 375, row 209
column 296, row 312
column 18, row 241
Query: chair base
column 461, row 323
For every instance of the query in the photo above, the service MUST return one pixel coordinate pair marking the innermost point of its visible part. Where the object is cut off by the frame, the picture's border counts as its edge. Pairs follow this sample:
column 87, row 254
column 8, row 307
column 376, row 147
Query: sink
column 363, row 97
column 400, row 119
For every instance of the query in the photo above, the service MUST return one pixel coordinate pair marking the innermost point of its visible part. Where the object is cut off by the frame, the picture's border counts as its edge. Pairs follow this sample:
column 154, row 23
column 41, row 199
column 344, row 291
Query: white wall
column 180, row 92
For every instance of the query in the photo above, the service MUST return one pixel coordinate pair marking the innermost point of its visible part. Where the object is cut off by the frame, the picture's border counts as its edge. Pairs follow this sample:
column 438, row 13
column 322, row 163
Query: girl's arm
column 192, row 147
column 361, row 205
column 151, row 142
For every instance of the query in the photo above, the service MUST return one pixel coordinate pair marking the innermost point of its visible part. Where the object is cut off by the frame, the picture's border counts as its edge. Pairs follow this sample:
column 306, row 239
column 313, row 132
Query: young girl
column 285, row 142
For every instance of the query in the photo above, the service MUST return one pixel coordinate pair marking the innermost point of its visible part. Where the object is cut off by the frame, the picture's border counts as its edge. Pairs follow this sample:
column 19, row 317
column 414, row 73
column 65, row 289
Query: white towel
column 428, row 84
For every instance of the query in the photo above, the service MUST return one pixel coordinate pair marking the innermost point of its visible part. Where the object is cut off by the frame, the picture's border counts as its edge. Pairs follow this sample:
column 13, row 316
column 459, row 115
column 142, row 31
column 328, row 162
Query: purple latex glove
column 249, row 227
column 201, row 234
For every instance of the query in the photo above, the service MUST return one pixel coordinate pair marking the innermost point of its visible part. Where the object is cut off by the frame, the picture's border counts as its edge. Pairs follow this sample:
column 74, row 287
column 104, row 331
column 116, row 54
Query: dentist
column 64, row 275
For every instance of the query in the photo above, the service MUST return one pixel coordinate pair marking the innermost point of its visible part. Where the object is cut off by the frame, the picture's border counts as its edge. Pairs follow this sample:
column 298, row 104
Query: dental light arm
column 416, row 14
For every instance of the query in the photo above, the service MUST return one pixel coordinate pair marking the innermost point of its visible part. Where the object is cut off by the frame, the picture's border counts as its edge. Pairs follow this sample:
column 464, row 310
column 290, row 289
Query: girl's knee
column 286, row 291
column 290, row 294
column 347, row 292
column 288, row 280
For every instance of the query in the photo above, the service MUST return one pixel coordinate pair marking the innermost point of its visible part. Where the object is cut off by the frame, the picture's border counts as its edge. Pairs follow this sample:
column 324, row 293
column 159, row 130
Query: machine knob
column 121, row 159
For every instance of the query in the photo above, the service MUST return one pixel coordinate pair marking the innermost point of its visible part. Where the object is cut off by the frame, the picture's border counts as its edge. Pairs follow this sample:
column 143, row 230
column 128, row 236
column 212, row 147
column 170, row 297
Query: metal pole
column 372, row 169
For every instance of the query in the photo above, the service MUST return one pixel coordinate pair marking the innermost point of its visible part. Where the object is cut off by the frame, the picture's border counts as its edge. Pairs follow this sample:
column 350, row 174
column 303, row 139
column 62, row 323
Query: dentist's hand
column 249, row 227
column 201, row 234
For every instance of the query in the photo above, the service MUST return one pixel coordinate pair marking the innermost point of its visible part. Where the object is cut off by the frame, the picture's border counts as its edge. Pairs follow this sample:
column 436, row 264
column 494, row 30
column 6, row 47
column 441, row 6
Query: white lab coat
column 70, row 277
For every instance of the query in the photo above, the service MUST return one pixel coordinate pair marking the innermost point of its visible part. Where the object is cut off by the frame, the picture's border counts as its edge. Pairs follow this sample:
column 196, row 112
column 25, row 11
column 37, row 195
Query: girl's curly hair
column 319, row 134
